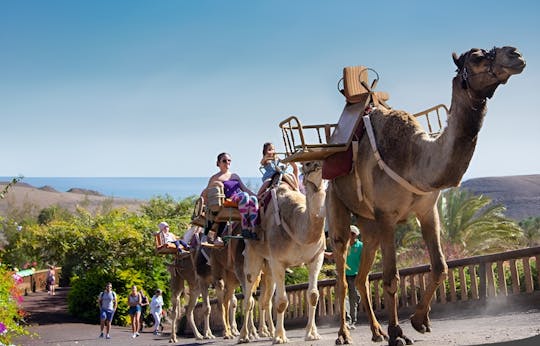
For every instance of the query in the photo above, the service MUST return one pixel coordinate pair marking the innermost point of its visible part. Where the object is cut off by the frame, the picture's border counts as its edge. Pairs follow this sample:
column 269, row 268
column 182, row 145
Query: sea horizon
column 143, row 188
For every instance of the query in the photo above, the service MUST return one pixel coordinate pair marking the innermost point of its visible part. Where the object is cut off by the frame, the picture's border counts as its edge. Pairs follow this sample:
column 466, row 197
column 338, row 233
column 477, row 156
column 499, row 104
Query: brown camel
column 297, row 239
column 182, row 271
column 428, row 164
column 224, row 269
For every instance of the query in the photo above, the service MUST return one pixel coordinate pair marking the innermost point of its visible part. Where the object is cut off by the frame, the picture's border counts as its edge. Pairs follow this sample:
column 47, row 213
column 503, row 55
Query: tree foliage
column 531, row 231
column 470, row 225
column 115, row 246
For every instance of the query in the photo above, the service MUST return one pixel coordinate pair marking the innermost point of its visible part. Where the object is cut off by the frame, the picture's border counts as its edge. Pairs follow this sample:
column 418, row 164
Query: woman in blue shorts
column 134, row 302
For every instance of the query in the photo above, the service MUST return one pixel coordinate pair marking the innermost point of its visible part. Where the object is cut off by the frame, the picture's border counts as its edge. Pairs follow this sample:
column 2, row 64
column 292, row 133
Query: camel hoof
column 312, row 337
column 343, row 341
column 421, row 326
column 243, row 340
column 377, row 338
column 397, row 342
column 281, row 340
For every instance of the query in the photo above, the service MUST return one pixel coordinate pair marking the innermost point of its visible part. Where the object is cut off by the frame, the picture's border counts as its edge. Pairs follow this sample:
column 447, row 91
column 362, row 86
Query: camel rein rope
column 382, row 165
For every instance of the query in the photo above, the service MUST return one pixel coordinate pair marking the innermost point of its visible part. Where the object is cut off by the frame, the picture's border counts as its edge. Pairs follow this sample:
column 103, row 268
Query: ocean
column 132, row 187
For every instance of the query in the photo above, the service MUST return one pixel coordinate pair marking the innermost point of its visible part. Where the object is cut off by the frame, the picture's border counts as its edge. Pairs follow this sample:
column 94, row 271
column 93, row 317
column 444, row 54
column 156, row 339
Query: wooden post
column 501, row 278
column 482, row 289
column 463, row 284
column 474, row 281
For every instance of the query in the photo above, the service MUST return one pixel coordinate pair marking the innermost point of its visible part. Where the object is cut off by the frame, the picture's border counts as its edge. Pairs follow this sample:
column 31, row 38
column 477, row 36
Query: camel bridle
column 466, row 77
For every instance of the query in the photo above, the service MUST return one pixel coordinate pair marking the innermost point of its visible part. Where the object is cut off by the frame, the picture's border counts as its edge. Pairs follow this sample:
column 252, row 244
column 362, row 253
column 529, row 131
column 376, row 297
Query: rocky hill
column 520, row 194
column 25, row 197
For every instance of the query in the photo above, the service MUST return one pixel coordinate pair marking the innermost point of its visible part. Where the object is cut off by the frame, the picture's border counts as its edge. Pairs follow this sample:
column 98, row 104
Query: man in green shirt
column 353, row 264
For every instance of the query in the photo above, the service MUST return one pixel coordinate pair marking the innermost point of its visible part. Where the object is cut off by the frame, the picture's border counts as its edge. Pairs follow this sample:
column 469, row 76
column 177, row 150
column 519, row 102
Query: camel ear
column 457, row 61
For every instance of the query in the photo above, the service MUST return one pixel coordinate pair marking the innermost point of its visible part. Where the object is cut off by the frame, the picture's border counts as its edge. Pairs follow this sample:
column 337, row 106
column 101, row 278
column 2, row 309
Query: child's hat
column 162, row 225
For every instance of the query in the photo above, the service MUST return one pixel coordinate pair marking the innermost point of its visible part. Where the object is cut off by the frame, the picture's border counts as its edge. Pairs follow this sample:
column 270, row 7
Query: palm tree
column 531, row 231
column 470, row 225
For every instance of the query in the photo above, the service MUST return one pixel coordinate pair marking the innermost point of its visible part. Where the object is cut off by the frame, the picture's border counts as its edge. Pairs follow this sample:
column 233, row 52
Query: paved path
column 55, row 326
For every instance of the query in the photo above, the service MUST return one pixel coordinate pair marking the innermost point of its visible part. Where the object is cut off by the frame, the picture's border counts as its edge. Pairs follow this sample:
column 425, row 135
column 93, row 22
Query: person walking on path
column 156, row 308
column 107, row 306
column 144, row 308
column 134, row 303
column 353, row 263
column 51, row 280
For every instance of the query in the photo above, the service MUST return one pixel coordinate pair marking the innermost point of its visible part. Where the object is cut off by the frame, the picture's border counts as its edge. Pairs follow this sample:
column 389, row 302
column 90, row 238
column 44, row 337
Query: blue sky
column 159, row 88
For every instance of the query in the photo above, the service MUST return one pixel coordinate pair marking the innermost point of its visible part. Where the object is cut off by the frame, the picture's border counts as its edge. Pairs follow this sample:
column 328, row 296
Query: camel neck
column 452, row 151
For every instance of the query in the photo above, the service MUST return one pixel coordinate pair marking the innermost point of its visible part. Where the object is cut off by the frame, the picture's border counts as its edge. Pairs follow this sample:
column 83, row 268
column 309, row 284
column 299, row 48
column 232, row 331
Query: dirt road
column 520, row 326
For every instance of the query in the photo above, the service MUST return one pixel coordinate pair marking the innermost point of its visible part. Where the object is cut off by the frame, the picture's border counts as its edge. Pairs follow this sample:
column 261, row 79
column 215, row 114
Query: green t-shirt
column 353, row 258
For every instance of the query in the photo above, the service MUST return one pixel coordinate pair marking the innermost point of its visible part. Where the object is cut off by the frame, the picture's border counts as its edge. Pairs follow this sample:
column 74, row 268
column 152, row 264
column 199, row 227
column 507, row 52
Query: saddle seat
column 337, row 137
column 164, row 248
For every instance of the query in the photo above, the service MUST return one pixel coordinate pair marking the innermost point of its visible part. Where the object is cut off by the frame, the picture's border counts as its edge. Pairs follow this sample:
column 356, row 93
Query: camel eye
column 477, row 57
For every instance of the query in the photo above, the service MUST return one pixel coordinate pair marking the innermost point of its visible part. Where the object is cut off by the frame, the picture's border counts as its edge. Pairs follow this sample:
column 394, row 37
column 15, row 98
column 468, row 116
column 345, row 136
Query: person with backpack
column 107, row 306
column 51, row 280
column 144, row 308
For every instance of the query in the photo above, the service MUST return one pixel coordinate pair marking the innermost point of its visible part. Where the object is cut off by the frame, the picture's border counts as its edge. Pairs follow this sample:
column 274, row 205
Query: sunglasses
column 225, row 160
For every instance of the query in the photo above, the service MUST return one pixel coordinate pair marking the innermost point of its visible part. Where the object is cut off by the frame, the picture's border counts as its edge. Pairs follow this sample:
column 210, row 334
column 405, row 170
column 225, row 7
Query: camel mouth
column 516, row 67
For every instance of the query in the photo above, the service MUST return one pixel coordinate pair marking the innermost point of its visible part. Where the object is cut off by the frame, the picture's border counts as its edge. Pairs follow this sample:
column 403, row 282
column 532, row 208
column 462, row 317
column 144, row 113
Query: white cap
column 355, row 230
column 162, row 225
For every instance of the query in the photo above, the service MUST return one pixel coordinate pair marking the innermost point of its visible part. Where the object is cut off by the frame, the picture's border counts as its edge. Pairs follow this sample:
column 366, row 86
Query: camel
column 429, row 165
column 182, row 271
column 297, row 239
column 223, row 268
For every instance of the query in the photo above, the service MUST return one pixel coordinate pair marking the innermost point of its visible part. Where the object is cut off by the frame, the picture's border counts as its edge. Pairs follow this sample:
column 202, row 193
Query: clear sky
column 159, row 88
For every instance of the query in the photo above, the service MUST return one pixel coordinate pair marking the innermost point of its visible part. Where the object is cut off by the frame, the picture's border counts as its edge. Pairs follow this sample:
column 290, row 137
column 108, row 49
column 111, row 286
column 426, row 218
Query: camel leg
column 252, row 268
column 338, row 228
column 228, row 293
column 207, row 332
column 177, row 286
column 371, row 244
column 312, row 293
column 391, row 284
column 232, row 315
column 439, row 269
column 278, row 273
column 194, row 294
column 266, row 324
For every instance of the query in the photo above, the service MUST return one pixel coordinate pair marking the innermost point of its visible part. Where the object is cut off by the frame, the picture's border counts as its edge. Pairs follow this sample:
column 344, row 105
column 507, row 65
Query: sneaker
column 352, row 326
column 137, row 334
column 101, row 335
column 134, row 336
column 246, row 234
column 156, row 332
column 108, row 336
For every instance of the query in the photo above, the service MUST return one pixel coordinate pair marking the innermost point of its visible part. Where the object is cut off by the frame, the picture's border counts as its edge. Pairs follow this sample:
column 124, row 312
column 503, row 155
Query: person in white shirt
column 156, row 308
column 169, row 237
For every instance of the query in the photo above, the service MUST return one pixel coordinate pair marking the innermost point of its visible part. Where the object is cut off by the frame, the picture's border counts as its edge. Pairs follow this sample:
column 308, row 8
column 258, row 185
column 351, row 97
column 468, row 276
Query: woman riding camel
column 238, row 192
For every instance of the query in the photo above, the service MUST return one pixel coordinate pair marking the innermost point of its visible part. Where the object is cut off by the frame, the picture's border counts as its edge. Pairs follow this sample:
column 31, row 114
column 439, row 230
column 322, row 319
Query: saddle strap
column 383, row 165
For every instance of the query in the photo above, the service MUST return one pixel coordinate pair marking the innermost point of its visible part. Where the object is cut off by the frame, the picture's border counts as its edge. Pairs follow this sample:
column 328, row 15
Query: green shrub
column 11, row 316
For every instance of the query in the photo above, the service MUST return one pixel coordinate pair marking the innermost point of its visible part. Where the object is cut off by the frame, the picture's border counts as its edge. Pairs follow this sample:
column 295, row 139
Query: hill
column 520, row 194
column 23, row 196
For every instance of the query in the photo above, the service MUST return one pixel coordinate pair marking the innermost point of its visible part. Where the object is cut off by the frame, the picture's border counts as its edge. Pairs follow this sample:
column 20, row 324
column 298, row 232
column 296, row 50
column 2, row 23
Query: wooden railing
column 38, row 280
column 469, row 279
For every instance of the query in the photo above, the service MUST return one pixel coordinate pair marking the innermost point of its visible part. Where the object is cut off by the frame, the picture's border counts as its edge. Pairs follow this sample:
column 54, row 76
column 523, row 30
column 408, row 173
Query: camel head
column 481, row 71
column 314, row 185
